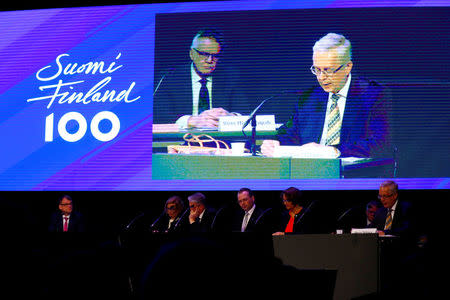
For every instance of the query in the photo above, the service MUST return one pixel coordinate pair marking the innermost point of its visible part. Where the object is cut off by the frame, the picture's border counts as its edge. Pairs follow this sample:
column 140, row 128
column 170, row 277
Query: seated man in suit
column 371, row 209
column 401, row 260
column 360, row 216
column 197, row 94
column 200, row 216
column 249, row 218
column 66, row 219
column 346, row 114
column 395, row 217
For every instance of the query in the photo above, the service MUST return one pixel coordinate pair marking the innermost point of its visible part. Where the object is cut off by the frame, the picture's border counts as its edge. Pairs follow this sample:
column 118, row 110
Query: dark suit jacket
column 206, row 221
column 365, row 130
column 173, row 99
column 252, row 226
column 76, row 222
column 180, row 224
column 303, row 223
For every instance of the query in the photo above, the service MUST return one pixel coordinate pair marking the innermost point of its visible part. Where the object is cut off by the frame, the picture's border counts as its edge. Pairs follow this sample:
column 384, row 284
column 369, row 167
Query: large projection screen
column 77, row 91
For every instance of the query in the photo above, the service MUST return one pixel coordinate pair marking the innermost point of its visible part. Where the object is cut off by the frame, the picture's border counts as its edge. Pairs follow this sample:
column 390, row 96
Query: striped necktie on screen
column 388, row 224
column 334, row 123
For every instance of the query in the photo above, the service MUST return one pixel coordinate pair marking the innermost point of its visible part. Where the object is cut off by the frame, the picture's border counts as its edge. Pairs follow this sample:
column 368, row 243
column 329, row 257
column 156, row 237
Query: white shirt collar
column 195, row 77
column 395, row 205
column 251, row 210
column 344, row 91
column 393, row 208
column 196, row 86
column 341, row 104
column 201, row 215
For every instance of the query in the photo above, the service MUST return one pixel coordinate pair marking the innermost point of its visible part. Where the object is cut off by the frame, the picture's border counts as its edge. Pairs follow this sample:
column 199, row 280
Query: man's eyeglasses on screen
column 214, row 56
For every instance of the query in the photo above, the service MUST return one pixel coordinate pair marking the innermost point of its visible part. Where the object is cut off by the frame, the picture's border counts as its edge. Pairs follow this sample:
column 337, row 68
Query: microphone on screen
column 168, row 71
column 252, row 117
column 264, row 101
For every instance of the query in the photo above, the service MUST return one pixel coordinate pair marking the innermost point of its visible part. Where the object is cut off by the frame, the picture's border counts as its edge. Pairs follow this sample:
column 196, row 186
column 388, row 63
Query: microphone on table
column 306, row 211
column 262, row 215
column 181, row 218
column 215, row 217
column 346, row 213
column 134, row 220
column 156, row 221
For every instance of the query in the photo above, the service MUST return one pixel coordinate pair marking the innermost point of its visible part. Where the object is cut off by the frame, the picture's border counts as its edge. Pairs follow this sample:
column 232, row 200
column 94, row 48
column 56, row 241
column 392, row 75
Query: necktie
column 66, row 224
column 203, row 98
column 334, row 123
column 388, row 224
column 244, row 222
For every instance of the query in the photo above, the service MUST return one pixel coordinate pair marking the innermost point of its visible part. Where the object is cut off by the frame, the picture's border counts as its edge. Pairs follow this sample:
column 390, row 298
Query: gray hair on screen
column 336, row 41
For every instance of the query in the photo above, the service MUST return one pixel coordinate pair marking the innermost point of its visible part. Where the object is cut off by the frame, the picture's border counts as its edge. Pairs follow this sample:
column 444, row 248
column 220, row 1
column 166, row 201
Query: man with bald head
column 346, row 115
column 196, row 95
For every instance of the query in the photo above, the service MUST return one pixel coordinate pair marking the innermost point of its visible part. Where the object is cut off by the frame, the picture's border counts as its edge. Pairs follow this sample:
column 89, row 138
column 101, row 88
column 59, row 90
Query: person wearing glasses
column 296, row 218
column 250, row 217
column 394, row 217
column 359, row 216
column 403, row 259
column 197, row 94
column 346, row 114
column 201, row 215
column 66, row 219
column 171, row 220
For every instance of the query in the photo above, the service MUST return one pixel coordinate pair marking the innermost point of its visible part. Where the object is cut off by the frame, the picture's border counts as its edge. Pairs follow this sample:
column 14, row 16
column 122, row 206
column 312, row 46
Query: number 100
column 82, row 126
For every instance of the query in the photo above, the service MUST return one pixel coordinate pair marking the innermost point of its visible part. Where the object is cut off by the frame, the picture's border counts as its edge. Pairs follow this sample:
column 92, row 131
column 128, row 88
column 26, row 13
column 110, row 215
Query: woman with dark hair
column 295, row 218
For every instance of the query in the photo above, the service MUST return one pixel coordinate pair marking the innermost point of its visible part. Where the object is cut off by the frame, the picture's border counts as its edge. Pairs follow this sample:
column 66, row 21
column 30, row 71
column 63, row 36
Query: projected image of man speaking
column 196, row 94
column 346, row 113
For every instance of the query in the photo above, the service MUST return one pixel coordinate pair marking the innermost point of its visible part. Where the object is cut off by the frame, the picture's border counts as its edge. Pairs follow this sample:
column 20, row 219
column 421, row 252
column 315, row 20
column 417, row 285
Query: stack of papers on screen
column 351, row 160
column 161, row 128
column 305, row 151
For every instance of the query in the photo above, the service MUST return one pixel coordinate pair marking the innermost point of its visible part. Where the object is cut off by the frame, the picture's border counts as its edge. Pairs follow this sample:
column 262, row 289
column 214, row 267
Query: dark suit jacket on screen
column 76, row 222
column 173, row 99
column 365, row 130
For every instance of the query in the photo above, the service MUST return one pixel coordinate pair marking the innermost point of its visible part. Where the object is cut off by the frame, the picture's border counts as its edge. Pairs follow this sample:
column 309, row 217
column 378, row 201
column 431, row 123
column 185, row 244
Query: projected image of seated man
column 196, row 94
column 345, row 113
